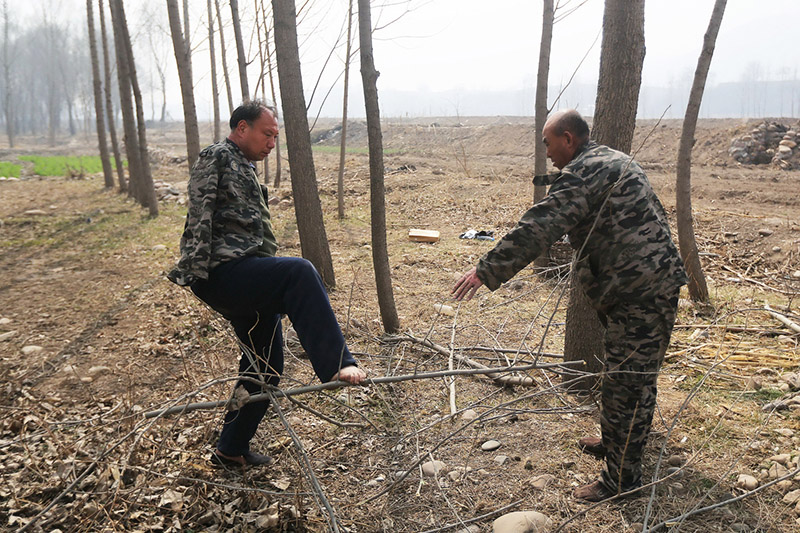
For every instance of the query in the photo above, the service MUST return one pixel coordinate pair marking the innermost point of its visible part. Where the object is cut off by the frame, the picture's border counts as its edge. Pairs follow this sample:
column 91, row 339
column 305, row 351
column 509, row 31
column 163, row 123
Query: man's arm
column 197, row 233
column 542, row 225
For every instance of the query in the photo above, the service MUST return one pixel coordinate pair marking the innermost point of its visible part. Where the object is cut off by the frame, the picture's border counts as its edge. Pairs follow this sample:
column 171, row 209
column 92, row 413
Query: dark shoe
column 593, row 492
column 592, row 446
column 247, row 458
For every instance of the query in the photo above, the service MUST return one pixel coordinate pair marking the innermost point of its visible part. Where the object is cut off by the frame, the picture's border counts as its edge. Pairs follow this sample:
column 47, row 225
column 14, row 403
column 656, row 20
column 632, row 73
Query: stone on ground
column 522, row 522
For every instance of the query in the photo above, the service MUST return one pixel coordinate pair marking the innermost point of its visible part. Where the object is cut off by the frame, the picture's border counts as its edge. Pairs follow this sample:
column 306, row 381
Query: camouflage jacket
column 228, row 216
column 604, row 202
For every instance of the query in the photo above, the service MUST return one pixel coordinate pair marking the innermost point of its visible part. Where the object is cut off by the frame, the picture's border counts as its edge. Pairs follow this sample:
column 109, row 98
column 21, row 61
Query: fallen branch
column 526, row 381
column 756, row 282
column 237, row 403
column 782, row 318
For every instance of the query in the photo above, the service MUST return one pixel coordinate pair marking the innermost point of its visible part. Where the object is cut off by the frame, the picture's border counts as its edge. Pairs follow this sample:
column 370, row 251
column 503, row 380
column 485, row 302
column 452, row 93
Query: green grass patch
column 59, row 165
column 9, row 170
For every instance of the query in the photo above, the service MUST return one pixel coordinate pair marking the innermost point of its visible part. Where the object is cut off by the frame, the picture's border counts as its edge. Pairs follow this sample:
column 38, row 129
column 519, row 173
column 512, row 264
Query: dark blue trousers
column 252, row 293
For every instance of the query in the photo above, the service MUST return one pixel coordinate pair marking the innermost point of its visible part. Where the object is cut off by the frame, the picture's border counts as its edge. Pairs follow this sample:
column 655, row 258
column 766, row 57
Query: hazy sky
column 440, row 45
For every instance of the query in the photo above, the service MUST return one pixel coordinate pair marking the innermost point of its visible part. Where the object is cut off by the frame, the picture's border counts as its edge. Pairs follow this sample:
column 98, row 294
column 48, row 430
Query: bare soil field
column 92, row 336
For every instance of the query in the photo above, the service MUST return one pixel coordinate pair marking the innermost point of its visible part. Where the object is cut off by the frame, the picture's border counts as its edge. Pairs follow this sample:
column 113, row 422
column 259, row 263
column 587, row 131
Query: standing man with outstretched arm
column 629, row 268
column 228, row 259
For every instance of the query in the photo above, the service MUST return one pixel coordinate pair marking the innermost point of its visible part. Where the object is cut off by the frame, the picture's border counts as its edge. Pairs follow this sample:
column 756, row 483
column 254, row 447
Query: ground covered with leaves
column 93, row 337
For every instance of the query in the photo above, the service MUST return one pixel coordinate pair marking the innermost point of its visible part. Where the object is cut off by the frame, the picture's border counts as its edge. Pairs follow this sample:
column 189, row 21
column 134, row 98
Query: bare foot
column 350, row 374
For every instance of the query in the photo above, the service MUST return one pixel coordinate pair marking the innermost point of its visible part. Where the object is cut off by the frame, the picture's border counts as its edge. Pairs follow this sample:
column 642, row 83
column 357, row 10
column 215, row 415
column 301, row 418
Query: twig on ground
column 782, row 318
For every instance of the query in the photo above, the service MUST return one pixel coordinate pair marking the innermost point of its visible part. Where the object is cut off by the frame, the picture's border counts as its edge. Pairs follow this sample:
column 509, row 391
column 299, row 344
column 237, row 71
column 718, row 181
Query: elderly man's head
column 254, row 129
column 564, row 133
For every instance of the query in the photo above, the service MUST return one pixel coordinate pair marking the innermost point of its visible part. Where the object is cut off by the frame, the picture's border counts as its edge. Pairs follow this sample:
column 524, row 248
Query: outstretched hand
column 351, row 374
column 466, row 287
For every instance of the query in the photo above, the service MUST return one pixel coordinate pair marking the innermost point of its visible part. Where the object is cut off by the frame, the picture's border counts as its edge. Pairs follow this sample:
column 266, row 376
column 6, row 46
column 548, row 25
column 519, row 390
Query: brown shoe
column 592, row 446
column 593, row 492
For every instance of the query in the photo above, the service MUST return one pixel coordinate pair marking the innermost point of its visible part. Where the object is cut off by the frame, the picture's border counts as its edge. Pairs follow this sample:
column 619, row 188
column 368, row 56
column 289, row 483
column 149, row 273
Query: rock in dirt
column 469, row 415
column 432, row 468
column 97, row 370
column 540, row 482
column 490, row 445
column 746, row 482
column 765, row 232
column 500, row 460
column 785, row 432
column 522, row 522
column 4, row 321
column 159, row 248
column 31, row 349
column 792, row 497
column 7, row 335
column 782, row 458
column 675, row 460
column 777, row 470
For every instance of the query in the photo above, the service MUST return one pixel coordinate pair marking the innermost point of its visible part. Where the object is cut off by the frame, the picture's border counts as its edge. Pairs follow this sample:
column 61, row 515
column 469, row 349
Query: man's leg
column 636, row 342
column 262, row 360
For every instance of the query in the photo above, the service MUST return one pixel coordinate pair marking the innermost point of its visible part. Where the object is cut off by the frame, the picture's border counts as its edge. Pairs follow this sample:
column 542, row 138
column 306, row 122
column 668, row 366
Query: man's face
column 258, row 139
column 560, row 148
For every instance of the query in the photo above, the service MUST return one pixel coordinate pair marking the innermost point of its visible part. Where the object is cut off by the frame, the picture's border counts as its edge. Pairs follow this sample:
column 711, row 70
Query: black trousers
column 253, row 293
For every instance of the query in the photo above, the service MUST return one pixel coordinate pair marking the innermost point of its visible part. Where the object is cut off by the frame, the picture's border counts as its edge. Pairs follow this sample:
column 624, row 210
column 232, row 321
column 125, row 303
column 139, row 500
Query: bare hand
column 466, row 287
column 351, row 374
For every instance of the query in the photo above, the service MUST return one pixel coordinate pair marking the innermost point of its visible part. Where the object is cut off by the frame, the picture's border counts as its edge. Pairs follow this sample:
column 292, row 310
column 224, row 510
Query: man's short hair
column 573, row 122
column 249, row 112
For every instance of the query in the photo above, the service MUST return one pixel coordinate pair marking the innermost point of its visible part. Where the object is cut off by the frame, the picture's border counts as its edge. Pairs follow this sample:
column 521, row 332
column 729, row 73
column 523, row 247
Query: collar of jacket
column 238, row 151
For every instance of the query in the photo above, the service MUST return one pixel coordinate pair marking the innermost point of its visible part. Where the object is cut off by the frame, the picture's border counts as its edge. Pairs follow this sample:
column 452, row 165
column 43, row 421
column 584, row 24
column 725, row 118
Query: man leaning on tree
column 629, row 268
column 228, row 259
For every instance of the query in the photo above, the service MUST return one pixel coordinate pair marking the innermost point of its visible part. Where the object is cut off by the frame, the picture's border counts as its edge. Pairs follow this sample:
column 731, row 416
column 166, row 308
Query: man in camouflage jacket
column 629, row 268
column 228, row 259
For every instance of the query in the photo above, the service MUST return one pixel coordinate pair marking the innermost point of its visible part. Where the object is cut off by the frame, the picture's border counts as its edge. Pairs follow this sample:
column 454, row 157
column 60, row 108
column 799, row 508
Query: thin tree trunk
column 308, row 210
column 237, row 33
column 261, row 61
column 277, row 182
column 698, row 290
column 112, row 129
column 126, row 104
column 9, row 103
column 540, row 112
column 224, row 60
column 380, row 255
column 148, row 193
column 621, row 60
column 214, row 87
column 343, row 147
column 182, row 57
column 108, row 174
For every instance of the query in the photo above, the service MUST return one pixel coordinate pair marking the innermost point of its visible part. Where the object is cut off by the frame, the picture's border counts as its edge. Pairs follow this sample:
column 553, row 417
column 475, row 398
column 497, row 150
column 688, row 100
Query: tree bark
column 126, row 104
column 148, row 193
column 112, row 129
column 698, row 290
column 380, row 255
column 540, row 112
column 343, row 147
column 621, row 60
column 224, row 60
column 108, row 175
column 9, row 102
column 214, row 87
column 308, row 210
column 182, row 58
column 237, row 33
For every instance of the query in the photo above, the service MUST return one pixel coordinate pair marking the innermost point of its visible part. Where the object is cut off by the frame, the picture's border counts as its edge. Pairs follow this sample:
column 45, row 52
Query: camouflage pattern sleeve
column 196, row 245
column 541, row 226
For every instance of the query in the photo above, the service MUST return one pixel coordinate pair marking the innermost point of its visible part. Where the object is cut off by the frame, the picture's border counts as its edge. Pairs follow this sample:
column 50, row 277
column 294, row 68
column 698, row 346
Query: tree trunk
column 224, row 60
column 308, row 210
column 540, row 112
column 380, row 255
column 343, row 147
column 148, row 193
column 277, row 182
column 9, row 103
column 621, row 59
column 108, row 175
column 698, row 290
column 182, row 58
column 237, row 34
column 112, row 129
column 214, row 88
column 126, row 104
